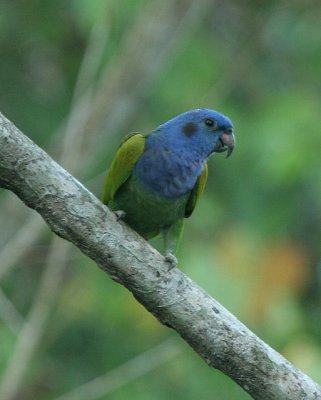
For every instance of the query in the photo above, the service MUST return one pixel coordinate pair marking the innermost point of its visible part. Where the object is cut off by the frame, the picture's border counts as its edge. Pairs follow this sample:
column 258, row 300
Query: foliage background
column 77, row 76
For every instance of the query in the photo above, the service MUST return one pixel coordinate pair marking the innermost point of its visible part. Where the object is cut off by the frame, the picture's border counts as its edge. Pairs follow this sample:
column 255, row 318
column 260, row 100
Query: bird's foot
column 171, row 260
column 120, row 214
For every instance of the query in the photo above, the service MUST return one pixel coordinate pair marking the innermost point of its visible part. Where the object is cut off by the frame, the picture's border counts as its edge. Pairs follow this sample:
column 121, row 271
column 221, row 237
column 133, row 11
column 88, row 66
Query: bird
column 156, row 179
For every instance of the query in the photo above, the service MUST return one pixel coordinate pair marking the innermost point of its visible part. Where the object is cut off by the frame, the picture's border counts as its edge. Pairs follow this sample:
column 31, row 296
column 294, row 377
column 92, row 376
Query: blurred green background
column 76, row 76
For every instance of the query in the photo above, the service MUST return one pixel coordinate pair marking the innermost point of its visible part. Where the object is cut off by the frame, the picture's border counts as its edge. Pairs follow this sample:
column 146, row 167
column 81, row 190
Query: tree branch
column 76, row 215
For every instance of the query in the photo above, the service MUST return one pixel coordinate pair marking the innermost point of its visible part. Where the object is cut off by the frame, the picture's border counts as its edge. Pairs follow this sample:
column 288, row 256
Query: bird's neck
column 168, row 172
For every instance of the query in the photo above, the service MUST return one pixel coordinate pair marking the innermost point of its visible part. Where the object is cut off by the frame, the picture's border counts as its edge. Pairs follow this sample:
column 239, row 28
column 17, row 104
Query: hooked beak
column 226, row 142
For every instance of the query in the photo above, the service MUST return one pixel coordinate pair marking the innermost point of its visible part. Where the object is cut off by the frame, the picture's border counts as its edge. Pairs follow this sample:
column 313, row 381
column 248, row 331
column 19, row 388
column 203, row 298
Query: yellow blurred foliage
column 267, row 270
column 283, row 268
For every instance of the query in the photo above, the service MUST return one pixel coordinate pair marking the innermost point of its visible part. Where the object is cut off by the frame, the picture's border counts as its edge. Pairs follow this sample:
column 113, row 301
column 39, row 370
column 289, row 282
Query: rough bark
column 76, row 215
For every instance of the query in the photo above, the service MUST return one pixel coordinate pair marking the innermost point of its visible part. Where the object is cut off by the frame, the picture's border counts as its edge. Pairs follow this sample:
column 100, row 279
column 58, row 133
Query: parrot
column 156, row 179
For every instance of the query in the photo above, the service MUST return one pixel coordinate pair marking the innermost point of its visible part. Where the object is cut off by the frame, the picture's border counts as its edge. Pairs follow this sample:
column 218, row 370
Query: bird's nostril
column 229, row 130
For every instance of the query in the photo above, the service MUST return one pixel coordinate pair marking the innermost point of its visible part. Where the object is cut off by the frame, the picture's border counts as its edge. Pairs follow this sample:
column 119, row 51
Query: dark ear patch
column 189, row 129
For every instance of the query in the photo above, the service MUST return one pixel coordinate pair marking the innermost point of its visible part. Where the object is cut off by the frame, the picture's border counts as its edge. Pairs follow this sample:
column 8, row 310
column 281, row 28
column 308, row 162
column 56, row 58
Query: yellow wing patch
column 122, row 165
column 196, row 192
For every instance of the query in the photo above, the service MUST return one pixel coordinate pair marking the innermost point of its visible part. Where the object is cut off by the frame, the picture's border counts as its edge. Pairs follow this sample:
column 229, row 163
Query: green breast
column 146, row 212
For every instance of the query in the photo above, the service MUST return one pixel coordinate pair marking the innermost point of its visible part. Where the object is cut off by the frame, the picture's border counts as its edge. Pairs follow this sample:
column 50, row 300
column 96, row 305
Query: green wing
column 122, row 166
column 196, row 192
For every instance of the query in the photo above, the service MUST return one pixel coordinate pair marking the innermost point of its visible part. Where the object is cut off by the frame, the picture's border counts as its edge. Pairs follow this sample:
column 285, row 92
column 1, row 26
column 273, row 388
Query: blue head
column 175, row 153
column 200, row 132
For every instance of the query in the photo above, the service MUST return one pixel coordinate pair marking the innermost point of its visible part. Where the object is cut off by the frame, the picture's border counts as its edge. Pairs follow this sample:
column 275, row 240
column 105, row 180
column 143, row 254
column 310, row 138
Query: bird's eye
column 210, row 122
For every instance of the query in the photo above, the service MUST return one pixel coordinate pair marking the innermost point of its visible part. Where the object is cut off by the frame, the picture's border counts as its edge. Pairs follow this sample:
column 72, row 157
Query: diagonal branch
column 76, row 215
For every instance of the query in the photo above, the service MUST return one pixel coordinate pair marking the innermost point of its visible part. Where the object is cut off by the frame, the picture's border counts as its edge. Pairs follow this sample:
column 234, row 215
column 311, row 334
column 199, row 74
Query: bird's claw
column 120, row 214
column 171, row 260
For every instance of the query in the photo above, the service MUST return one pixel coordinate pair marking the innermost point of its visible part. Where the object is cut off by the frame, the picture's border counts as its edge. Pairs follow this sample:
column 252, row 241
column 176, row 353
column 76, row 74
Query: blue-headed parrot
column 156, row 179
